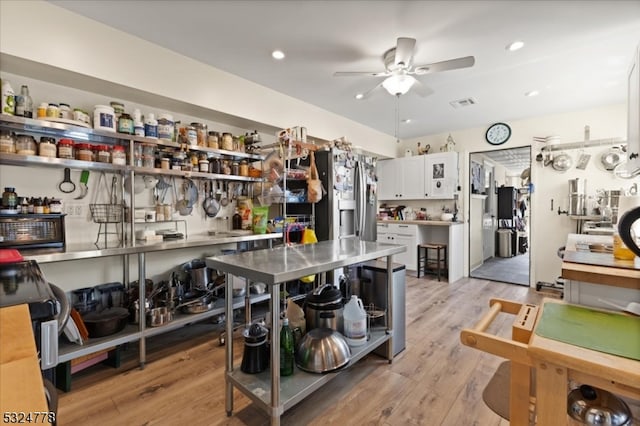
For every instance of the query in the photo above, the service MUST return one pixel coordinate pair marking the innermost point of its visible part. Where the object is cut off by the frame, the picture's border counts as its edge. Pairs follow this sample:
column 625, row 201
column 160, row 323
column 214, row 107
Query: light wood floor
column 435, row 381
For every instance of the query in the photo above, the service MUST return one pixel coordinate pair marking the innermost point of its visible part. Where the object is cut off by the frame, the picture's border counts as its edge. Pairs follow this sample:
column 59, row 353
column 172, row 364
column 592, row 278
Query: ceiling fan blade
column 368, row 93
column 404, row 52
column 360, row 74
column 451, row 64
column 421, row 89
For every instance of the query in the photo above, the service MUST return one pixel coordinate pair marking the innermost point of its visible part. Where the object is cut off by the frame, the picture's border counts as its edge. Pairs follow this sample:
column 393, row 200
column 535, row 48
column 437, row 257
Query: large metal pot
column 322, row 350
column 625, row 226
column 324, row 308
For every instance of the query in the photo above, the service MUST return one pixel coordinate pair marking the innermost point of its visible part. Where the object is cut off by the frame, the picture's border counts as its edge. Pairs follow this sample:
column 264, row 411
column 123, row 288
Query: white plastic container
column 151, row 126
column 165, row 127
column 8, row 98
column 104, row 118
column 355, row 322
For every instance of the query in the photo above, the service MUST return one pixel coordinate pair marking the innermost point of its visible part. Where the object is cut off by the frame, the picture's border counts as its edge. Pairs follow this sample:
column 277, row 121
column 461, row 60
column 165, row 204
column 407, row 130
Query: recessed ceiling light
column 277, row 54
column 359, row 96
column 532, row 93
column 406, row 120
column 512, row 47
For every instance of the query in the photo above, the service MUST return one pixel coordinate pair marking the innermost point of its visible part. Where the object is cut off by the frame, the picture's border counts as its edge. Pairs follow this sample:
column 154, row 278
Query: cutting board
column 603, row 331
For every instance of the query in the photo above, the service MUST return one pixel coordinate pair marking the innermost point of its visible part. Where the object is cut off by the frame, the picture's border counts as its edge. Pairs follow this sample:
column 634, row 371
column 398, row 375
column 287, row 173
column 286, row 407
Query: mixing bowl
column 322, row 350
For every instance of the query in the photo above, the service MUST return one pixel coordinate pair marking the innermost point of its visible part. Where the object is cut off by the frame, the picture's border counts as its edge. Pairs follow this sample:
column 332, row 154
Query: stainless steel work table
column 279, row 265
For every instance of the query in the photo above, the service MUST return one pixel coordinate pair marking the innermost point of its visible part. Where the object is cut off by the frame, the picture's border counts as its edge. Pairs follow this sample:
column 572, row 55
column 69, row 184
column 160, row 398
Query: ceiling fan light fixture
column 359, row 96
column 277, row 54
column 398, row 84
column 516, row 45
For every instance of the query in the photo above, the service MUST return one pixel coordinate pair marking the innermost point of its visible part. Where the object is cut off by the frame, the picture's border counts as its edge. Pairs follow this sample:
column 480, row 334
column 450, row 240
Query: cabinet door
column 441, row 175
column 408, row 257
column 410, row 169
column 387, row 180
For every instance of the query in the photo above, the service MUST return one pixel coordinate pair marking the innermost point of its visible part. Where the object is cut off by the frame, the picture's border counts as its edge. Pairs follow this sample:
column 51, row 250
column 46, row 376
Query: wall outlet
column 78, row 210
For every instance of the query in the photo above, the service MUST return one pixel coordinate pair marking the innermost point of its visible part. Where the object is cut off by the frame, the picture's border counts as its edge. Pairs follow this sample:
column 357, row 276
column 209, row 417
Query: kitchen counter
column 421, row 222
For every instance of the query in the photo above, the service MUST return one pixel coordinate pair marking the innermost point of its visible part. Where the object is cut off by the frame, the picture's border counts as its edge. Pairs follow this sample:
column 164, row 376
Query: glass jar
column 201, row 133
column 66, row 149
column 9, row 198
column 235, row 168
column 64, row 111
column 203, row 165
column 94, row 152
column 47, row 147
column 46, row 209
column 192, row 135
column 42, row 110
column 125, row 124
column 148, row 149
column 236, row 143
column 244, row 168
column 24, row 205
column 53, row 110
column 227, row 142
column 214, row 165
column 7, row 142
column 119, row 156
column 38, row 206
column 226, row 168
column 213, row 140
column 25, row 145
column 55, row 206
column 103, row 153
column 84, row 152
column 165, row 163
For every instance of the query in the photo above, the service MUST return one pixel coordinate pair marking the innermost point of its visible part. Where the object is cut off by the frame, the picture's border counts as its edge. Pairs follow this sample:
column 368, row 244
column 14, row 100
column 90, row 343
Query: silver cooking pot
column 324, row 308
column 624, row 227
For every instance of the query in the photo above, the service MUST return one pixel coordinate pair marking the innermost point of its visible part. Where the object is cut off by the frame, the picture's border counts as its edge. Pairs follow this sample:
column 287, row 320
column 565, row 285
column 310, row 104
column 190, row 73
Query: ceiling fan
column 399, row 70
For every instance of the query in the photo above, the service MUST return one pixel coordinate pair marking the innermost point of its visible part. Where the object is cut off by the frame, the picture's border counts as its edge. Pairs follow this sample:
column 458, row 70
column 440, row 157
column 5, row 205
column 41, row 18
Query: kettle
column 625, row 224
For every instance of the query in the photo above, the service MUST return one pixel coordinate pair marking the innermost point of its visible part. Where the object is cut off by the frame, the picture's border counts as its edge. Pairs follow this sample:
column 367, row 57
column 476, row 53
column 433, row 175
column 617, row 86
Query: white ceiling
column 576, row 53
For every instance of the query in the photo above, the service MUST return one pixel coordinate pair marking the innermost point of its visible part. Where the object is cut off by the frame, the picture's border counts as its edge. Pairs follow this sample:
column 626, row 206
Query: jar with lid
column 66, row 149
column 227, row 142
column 55, row 206
column 103, row 153
column 24, row 205
column 235, row 168
column 38, row 206
column 64, row 111
column 165, row 163
column 25, row 145
column 9, row 198
column 201, row 133
column 118, row 155
column 42, row 110
column 125, row 124
column 7, row 142
column 46, row 209
column 213, row 140
column 203, row 165
column 118, row 108
column 226, row 168
column 214, row 165
column 47, row 147
column 31, row 206
column 84, row 152
column 192, row 135
column 235, row 143
column 244, row 168
column 53, row 110
column 166, row 129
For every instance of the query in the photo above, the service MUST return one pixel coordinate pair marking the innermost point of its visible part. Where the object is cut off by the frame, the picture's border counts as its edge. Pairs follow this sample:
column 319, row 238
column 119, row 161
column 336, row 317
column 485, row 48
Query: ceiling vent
column 461, row 103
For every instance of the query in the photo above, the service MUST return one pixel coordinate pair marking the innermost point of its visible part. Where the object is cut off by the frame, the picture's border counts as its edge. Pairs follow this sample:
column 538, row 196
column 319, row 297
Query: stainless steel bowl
column 322, row 350
column 597, row 407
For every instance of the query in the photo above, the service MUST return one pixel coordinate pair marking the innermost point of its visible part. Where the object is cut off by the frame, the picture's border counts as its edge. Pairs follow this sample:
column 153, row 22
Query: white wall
column 548, row 229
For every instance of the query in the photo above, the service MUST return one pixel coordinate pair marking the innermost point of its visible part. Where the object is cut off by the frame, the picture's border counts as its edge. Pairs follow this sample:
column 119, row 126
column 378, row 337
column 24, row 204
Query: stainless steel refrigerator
column 349, row 208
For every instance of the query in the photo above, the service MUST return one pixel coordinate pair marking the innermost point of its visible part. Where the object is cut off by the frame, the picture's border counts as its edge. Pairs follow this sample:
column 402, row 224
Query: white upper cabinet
column 440, row 175
column 401, row 178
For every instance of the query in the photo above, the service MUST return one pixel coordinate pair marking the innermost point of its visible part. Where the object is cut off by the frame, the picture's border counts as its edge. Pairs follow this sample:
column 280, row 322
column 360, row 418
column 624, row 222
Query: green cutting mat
column 607, row 332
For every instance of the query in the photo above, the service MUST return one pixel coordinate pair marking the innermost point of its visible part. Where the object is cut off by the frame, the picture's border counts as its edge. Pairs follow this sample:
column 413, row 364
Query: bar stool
column 430, row 265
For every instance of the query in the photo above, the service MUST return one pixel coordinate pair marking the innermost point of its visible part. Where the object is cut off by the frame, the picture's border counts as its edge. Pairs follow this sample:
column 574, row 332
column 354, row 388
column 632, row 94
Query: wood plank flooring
column 435, row 381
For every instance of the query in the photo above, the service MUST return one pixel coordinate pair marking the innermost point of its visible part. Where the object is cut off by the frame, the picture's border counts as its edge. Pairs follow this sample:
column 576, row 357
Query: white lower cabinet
column 407, row 235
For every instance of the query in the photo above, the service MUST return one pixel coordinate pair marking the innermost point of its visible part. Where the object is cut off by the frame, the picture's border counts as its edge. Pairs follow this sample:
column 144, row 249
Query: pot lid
column 325, row 294
column 562, row 162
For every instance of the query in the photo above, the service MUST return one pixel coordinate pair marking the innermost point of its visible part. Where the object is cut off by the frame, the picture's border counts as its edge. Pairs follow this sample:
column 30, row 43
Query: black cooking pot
column 624, row 228
column 106, row 322
column 324, row 308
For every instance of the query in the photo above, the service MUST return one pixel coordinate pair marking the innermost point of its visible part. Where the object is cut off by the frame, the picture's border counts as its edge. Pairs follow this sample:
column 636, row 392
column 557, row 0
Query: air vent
column 461, row 103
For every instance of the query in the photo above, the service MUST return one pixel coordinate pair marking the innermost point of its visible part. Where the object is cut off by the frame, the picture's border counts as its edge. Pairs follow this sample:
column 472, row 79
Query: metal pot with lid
column 593, row 406
column 324, row 308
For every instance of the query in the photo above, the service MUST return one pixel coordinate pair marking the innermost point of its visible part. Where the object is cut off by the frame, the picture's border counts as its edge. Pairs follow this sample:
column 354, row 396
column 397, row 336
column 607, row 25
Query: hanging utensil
column 84, row 188
column 67, row 186
column 224, row 201
column 114, row 195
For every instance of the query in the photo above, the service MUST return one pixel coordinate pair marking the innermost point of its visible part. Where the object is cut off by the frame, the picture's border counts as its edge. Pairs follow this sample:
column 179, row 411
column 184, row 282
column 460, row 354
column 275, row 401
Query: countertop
column 420, row 222
column 286, row 263
column 599, row 268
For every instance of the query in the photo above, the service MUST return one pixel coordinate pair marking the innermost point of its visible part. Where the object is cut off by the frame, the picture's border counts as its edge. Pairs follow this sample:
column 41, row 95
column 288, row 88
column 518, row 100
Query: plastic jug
column 355, row 322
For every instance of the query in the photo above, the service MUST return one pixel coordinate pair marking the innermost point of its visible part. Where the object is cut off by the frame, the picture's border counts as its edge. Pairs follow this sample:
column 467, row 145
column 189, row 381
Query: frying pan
column 210, row 205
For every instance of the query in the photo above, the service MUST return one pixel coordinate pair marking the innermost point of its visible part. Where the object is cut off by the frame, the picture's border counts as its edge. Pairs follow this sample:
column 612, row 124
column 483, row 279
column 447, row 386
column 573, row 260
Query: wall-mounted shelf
column 584, row 144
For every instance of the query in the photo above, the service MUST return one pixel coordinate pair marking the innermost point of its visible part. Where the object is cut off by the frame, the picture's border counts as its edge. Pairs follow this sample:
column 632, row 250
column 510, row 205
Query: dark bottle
column 286, row 349
column 236, row 220
column 9, row 198
column 24, row 103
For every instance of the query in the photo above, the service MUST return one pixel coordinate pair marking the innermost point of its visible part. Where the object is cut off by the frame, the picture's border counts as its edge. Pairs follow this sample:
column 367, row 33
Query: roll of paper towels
column 626, row 203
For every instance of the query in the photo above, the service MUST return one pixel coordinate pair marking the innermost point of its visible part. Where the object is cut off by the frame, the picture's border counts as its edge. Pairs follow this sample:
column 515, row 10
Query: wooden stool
column 429, row 265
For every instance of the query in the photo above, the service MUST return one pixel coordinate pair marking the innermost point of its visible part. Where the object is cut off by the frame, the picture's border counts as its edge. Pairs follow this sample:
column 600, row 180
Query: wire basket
column 106, row 213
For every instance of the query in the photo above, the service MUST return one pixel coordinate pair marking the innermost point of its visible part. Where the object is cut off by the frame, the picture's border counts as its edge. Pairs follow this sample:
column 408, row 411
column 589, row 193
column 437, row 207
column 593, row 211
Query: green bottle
column 286, row 349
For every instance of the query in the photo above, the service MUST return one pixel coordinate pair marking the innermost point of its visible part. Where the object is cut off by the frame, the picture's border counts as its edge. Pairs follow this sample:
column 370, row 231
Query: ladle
column 632, row 308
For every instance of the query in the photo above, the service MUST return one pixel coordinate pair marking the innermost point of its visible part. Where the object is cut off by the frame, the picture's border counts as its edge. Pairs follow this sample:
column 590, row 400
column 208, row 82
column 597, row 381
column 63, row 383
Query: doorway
column 499, row 215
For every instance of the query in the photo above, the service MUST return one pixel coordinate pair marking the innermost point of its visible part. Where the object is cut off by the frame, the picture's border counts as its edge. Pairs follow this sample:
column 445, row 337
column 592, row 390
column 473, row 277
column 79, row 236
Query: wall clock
column 498, row 133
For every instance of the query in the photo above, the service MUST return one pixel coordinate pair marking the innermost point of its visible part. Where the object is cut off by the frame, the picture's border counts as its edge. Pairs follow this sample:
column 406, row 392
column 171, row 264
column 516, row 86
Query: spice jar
column 227, row 142
column 64, row 111
column 203, row 165
column 235, row 168
column 7, row 142
column 55, row 206
column 53, row 110
column 66, row 149
column 213, row 140
column 201, row 133
column 42, row 110
column 165, row 163
column 103, row 153
column 38, row 206
column 46, row 209
column 214, row 165
column 25, row 145
column 226, row 169
column 119, row 156
column 125, row 124
column 47, row 147
column 9, row 198
column 244, row 168
column 84, row 152
column 192, row 135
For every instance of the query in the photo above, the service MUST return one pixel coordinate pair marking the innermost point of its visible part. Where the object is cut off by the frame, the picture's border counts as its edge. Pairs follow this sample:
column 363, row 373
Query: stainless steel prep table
column 279, row 265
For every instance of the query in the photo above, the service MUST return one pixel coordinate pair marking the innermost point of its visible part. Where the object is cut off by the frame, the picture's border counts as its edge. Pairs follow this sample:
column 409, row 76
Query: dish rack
column 105, row 214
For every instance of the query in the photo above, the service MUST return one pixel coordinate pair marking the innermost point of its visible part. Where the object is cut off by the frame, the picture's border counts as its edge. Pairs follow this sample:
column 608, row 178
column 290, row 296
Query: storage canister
column 104, row 118
column 53, row 110
column 66, row 149
column 118, row 108
column 227, row 142
column 213, row 140
column 42, row 110
column 119, row 156
column 201, row 133
column 244, row 168
column 64, row 111
column 84, row 152
column 55, row 206
column 104, row 154
column 125, row 124
column 25, row 145
column 7, row 142
column 192, row 135
column 204, row 165
column 165, row 127
column 9, row 198
column 47, row 147
column 151, row 126
column 165, row 163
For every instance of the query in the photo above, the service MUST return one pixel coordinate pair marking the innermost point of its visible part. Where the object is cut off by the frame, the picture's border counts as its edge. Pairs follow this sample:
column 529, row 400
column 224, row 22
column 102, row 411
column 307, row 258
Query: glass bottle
column 286, row 349
column 24, row 103
column 236, row 220
column 9, row 198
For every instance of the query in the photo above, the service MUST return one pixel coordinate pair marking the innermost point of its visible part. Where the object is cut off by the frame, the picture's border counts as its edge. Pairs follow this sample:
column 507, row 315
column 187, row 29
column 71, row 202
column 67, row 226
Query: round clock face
column 498, row 133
